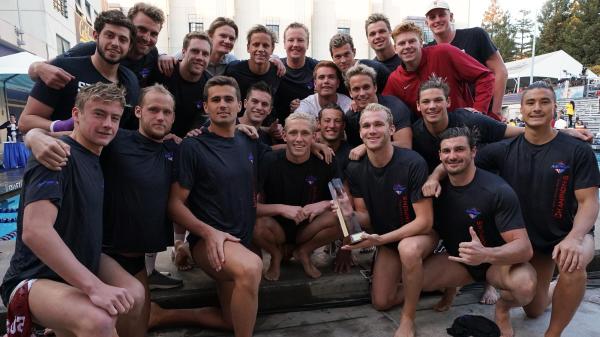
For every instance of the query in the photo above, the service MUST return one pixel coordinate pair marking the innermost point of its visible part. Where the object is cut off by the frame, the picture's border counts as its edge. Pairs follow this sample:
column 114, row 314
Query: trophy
column 353, row 231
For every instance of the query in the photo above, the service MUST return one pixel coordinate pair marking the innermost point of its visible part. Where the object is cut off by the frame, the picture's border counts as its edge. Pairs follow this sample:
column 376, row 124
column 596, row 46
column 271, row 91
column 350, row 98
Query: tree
column 552, row 20
column 497, row 23
column 589, row 42
column 524, row 39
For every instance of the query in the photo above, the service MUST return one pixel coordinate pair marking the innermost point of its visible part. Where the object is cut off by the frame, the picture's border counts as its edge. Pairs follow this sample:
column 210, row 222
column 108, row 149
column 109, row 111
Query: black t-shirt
column 297, row 83
column 189, row 111
column 545, row 178
column 221, row 175
column 240, row 70
column 145, row 69
column 389, row 191
column 284, row 182
column 137, row 174
column 473, row 41
column 77, row 192
column 488, row 204
column 63, row 100
column 400, row 111
column 342, row 158
column 392, row 63
column 382, row 75
column 428, row 145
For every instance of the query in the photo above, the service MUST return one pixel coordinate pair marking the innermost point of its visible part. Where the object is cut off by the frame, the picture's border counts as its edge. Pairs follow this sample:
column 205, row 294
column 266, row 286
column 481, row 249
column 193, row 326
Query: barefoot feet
column 490, row 295
column 309, row 267
column 406, row 328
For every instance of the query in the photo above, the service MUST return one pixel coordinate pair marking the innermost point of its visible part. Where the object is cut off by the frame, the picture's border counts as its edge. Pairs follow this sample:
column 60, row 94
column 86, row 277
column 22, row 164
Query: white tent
column 556, row 65
column 17, row 63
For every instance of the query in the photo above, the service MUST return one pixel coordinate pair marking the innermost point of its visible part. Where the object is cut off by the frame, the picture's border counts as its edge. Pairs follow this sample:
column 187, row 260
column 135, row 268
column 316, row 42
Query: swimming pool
column 8, row 218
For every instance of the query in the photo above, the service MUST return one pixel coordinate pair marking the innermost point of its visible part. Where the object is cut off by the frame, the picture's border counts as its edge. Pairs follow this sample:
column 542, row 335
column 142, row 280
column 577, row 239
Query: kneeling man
column 294, row 210
column 479, row 218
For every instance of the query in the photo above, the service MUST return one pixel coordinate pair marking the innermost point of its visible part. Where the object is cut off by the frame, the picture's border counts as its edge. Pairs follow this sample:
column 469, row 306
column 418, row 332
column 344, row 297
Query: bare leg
column 413, row 250
column 325, row 230
column 269, row 235
column 439, row 272
column 446, row 301
column 238, row 283
column 386, row 290
column 209, row 317
column 135, row 322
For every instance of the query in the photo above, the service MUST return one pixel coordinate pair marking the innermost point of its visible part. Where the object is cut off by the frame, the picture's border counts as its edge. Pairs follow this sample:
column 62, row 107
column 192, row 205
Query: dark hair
column 117, row 18
column 376, row 17
column 472, row 135
column 221, row 80
column 220, row 22
column 339, row 40
column 260, row 86
column 435, row 82
column 154, row 13
column 539, row 85
column 331, row 106
column 262, row 29
column 196, row 35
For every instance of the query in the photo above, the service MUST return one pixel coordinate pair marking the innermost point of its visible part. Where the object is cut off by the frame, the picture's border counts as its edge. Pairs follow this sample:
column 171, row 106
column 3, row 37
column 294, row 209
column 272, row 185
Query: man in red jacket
column 446, row 61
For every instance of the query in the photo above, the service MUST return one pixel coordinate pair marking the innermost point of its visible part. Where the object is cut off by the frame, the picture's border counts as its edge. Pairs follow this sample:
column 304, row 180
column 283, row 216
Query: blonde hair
column 106, row 92
column 302, row 116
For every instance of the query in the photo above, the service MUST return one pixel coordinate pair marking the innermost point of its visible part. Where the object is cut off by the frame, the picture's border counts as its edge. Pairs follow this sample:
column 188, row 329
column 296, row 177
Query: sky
column 513, row 6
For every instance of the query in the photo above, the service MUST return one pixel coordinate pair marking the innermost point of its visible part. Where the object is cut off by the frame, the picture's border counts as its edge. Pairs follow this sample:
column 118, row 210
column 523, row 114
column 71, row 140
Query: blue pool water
column 8, row 217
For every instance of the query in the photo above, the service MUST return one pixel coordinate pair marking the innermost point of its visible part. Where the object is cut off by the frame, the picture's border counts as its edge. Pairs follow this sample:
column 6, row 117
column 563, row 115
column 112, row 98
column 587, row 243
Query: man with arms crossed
column 386, row 189
column 221, row 226
column 479, row 218
column 294, row 199
column 58, row 273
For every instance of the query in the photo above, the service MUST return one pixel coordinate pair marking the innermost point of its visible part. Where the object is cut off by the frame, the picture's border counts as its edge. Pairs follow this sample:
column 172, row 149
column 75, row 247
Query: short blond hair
column 372, row 107
column 105, row 92
column 407, row 27
column 302, row 116
column 159, row 88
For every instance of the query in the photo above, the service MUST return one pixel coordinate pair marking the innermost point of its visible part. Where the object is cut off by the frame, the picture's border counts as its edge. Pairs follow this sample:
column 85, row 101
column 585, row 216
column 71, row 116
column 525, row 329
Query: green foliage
column 498, row 25
column 524, row 39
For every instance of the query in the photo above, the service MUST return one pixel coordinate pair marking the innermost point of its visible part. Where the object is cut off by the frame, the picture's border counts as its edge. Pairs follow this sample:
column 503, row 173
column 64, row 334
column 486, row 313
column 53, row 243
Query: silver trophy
column 353, row 231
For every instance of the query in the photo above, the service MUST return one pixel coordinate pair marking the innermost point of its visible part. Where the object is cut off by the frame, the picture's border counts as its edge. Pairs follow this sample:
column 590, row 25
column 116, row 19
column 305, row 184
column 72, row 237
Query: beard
column 106, row 59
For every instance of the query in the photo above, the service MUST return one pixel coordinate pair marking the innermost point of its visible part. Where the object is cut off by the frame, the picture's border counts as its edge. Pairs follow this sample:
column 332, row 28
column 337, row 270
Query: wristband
column 59, row 126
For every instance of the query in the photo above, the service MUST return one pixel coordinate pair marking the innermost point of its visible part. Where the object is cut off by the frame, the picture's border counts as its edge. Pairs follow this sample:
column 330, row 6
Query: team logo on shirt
column 46, row 183
column 398, row 189
column 251, row 158
column 198, row 104
column 310, row 85
column 473, row 213
column 144, row 72
column 560, row 167
column 310, row 180
column 169, row 156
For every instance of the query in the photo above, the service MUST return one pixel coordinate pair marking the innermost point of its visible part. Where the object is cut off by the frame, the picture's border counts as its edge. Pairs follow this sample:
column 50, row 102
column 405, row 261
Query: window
column 62, row 45
column 274, row 29
column 88, row 9
column 344, row 30
column 196, row 26
column 420, row 21
column 61, row 7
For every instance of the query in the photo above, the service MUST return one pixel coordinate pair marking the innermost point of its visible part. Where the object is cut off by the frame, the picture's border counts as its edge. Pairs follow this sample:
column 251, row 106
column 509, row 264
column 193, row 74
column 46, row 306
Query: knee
column 573, row 278
column 380, row 302
column 410, row 253
column 250, row 272
column 534, row 312
column 525, row 288
column 96, row 323
column 138, row 292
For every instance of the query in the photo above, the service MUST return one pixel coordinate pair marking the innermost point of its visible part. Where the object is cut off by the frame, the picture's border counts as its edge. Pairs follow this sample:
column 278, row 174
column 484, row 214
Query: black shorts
column 545, row 246
column 478, row 273
column 132, row 264
column 290, row 228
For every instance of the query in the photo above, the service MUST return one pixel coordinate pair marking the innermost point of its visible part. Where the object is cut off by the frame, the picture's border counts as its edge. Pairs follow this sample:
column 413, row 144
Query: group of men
column 237, row 155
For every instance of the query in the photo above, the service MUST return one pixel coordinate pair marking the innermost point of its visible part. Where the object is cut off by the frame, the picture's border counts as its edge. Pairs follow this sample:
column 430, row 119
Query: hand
column 353, row 106
column 48, row 151
column 322, row 152
column 431, row 188
column 471, row 253
column 215, row 243
column 276, row 61
column 194, row 132
column 275, row 130
column 295, row 213
column 172, row 136
column 314, row 210
column 249, row 130
column 166, row 64
column 581, row 134
column 568, row 254
column 343, row 261
column 357, row 152
column 116, row 301
column 294, row 104
column 369, row 240
column 53, row 76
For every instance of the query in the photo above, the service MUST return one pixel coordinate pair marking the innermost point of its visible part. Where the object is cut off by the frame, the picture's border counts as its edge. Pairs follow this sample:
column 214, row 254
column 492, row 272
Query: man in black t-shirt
column 379, row 35
column 294, row 200
column 556, row 178
column 58, row 273
column 261, row 42
column 220, row 216
column 361, row 82
column 341, row 47
column 187, row 81
column 473, row 41
column 142, row 59
column 257, row 107
column 386, row 189
column 331, row 122
column 50, row 109
column 479, row 220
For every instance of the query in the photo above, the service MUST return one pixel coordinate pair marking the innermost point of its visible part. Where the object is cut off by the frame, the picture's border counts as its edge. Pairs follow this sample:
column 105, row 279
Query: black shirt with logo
column 295, row 84
column 392, row 63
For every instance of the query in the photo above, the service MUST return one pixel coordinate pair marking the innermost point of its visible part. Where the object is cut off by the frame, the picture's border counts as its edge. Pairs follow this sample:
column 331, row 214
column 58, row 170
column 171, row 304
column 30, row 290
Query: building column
column 247, row 14
column 324, row 26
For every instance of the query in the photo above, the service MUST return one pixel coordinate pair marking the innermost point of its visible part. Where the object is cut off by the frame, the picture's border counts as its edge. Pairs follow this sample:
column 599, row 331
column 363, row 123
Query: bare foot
column 446, row 301
column 490, row 295
column 181, row 256
column 406, row 328
column 309, row 268
column 503, row 319
column 272, row 274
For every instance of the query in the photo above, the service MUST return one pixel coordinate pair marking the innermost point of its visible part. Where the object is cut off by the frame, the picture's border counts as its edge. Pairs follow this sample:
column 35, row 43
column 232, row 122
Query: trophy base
column 356, row 237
